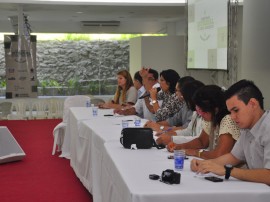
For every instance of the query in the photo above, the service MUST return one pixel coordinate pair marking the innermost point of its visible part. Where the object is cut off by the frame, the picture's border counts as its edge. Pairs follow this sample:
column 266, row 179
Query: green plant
column 53, row 83
column 107, row 89
column 89, row 37
column 3, row 83
column 77, row 37
column 74, row 86
column 43, row 85
column 93, row 88
column 46, row 84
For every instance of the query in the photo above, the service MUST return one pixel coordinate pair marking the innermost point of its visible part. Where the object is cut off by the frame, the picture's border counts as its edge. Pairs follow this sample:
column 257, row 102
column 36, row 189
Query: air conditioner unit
column 100, row 23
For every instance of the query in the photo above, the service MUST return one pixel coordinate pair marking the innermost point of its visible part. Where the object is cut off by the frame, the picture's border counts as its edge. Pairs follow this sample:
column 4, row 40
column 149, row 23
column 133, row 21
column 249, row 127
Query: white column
column 256, row 45
column 20, row 20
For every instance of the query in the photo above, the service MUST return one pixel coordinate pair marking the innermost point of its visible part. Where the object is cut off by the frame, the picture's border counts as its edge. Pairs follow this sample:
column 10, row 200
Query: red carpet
column 39, row 176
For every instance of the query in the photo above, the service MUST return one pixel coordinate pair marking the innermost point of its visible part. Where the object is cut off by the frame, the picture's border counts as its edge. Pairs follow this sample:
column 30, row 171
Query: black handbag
column 138, row 138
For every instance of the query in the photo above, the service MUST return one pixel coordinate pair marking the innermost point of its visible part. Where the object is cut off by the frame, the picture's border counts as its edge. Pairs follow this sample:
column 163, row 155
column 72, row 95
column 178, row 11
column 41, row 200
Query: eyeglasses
column 151, row 79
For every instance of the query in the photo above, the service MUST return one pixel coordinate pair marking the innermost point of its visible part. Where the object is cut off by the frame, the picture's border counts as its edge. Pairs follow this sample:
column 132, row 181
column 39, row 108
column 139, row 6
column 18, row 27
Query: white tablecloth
column 76, row 115
column 87, row 160
column 112, row 173
column 125, row 178
column 79, row 147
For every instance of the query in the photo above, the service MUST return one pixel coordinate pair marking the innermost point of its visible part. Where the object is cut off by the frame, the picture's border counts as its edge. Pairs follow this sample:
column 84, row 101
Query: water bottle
column 88, row 103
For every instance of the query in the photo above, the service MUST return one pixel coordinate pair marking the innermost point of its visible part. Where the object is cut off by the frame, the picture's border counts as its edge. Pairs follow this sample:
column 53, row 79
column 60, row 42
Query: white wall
column 169, row 53
column 256, row 45
column 159, row 53
column 135, row 55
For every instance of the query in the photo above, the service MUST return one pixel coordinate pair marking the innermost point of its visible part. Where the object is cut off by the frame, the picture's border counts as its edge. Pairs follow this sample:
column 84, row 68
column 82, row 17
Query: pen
column 169, row 129
column 165, row 131
column 108, row 114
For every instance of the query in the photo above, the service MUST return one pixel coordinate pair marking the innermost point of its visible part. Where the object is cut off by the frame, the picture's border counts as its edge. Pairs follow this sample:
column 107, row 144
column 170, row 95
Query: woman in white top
column 219, row 132
column 194, row 127
column 126, row 93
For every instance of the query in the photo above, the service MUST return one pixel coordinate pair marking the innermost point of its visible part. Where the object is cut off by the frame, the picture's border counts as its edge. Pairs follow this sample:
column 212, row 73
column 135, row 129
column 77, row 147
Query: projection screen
column 207, row 34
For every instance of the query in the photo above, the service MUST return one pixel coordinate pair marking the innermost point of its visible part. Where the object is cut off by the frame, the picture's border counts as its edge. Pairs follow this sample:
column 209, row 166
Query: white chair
column 5, row 109
column 19, row 110
column 40, row 109
column 97, row 101
column 59, row 130
column 56, row 107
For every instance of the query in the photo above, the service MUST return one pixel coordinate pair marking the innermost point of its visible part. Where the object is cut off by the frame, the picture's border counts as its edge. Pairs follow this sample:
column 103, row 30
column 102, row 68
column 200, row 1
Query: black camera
column 170, row 177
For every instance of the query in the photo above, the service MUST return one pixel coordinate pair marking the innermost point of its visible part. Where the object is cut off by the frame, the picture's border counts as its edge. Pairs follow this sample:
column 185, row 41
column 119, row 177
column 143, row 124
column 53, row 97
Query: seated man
column 244, row 100
column 140, row 108
column 138, row 84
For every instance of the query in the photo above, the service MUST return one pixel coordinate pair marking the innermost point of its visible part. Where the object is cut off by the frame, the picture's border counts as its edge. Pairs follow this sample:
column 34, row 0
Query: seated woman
column 194, row 127
column 180, row 119
column 170, row 103
column 219, row 133
column 126, row 93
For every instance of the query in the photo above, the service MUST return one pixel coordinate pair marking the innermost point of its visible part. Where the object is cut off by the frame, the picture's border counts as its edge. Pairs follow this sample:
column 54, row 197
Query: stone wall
column 80, row 60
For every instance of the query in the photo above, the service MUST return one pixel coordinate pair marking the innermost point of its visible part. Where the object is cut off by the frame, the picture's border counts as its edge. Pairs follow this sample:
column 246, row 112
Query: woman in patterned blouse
column 219, row 132
column 170, row 102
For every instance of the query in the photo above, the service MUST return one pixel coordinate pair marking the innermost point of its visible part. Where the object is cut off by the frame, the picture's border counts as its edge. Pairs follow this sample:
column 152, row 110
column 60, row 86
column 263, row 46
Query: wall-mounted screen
column 207, row 34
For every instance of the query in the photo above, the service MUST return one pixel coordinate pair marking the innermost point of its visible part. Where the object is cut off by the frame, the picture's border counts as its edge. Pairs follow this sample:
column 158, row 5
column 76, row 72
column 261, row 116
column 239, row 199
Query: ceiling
column 67, row 18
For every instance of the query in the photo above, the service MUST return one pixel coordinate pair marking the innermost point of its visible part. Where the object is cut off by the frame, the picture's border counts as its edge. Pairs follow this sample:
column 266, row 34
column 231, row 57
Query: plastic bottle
column 88, row 103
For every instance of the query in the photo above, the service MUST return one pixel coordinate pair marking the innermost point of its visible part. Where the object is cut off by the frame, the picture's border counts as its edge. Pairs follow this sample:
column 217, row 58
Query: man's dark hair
column 154, row 72
column 245, row 90
column 138, row 77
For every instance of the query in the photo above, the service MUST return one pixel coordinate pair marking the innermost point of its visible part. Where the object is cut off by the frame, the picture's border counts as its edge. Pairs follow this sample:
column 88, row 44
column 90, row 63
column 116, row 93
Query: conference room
column 92, row 156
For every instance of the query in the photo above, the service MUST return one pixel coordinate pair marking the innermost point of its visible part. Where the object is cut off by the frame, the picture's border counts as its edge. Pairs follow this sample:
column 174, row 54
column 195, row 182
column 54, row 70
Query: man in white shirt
column 140, row 108
column 138, row 84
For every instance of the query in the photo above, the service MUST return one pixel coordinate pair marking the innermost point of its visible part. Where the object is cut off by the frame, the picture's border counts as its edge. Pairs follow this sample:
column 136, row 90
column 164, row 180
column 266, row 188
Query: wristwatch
column 154, row 101
column 200, row 152
column 228, row 169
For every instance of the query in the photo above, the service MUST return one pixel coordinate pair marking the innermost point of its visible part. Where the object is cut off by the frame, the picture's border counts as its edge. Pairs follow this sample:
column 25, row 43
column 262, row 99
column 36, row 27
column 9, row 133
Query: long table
column 112, row 173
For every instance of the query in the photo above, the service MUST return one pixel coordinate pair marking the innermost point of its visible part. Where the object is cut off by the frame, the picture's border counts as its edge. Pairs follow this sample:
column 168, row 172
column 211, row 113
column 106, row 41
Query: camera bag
column 142, row 138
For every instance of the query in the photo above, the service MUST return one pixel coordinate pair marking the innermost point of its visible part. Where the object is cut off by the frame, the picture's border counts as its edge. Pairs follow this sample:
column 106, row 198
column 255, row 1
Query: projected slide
column 207, row 34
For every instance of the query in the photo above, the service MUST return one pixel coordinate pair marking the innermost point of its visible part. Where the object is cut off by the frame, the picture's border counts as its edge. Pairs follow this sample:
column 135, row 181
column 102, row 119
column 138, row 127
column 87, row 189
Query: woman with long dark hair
column 170, row 103
column 185, row 90
column 219, row 132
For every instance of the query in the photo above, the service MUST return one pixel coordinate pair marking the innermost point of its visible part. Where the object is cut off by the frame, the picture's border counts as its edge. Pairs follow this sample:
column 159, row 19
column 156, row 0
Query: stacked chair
column 59, row 130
